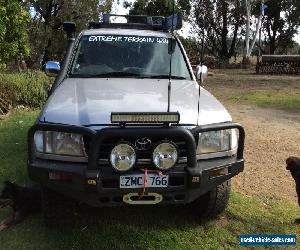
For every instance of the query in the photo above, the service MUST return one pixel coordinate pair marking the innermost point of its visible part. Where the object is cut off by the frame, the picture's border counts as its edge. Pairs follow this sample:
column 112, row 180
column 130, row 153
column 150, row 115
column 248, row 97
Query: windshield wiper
column 104, row 75
column 163, row 77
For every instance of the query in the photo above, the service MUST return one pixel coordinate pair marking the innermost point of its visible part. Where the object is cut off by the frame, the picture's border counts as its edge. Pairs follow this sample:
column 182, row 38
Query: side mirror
column 202, row 72
column 52, row 68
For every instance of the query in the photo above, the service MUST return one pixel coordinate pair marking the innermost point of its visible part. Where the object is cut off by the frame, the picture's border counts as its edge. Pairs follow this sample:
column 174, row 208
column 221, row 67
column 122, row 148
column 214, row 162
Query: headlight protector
column 59, row 143
column 216, row 141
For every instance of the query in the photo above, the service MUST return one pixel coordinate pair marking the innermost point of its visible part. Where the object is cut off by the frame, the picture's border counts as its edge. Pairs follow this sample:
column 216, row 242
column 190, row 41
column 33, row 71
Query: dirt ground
column 272, row 136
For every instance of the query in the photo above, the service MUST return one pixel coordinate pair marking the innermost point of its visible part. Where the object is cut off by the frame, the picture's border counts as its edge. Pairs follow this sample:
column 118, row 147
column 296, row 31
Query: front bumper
column 99, row 186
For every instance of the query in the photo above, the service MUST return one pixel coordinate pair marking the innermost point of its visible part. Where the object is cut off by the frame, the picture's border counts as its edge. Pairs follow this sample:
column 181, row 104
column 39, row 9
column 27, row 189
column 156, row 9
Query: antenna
column 171, row 56
column 201, row 64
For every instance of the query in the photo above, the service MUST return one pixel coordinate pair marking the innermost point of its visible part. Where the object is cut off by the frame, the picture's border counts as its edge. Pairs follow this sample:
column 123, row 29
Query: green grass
column 156, row 228
column 13, row 145
column 134, row 228
column 246, row 87
column 269, row 98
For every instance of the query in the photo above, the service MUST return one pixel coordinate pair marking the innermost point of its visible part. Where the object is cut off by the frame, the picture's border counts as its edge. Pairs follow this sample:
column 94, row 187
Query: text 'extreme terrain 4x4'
column 126, row 123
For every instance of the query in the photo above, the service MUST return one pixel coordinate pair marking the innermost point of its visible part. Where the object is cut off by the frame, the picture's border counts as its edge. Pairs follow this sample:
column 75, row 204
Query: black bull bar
column 97, row 137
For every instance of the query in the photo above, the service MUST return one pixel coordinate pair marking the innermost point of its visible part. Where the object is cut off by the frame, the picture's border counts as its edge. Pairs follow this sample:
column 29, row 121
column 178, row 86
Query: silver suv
column 126, row 124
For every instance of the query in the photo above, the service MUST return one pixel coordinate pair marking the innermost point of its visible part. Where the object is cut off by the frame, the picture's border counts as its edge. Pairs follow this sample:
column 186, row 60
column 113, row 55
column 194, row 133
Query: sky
column 297, row 38
column 118, row 9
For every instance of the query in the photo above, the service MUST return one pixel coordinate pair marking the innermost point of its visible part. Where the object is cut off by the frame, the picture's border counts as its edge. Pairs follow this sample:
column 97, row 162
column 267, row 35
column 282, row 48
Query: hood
column 80, row 101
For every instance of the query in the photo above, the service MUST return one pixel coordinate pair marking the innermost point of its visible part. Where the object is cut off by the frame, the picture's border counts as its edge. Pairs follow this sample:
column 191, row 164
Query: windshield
column 127, row 56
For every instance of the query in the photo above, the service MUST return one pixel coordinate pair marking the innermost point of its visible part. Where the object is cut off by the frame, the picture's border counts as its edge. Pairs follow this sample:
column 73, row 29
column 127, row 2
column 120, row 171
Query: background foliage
column 14, row 20
column 31, row 30
column 28, row 89
column 46, row 36
column 158, row 7
column 280, row 25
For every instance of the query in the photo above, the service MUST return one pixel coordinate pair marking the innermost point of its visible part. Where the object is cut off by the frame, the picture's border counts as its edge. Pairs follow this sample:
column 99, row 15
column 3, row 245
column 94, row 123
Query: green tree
column 191, row 46
column 158, row 7
column 14, row 20
column 47, row 38
column 105, row 6
column 44, row 29
column 221, row 22
column 280, row 25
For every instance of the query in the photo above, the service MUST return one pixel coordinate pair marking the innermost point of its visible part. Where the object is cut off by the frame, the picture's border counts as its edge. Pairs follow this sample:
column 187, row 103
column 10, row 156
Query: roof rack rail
column 140, row 22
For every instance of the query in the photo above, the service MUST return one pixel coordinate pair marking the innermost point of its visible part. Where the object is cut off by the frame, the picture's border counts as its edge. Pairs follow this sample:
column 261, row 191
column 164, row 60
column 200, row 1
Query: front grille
column 144, row 157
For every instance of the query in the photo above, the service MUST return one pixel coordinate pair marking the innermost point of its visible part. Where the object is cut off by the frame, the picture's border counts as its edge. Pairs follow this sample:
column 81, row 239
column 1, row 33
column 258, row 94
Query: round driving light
column 122, row 157
column 165, row 155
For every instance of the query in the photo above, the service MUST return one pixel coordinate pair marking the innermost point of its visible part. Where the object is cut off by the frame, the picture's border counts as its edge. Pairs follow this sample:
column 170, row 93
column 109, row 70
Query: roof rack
column 173, row 22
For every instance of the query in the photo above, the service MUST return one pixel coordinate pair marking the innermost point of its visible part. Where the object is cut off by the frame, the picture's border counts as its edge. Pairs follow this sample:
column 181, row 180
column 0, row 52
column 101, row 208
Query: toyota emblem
column 143, row 144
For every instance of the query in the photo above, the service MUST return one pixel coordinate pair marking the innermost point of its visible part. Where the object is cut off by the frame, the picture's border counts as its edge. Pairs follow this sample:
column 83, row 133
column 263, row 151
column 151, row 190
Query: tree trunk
column 46, row 53
column 249, row 48
column 257, row 30
column 272, row 46
column 247, row 38
column 224, row 33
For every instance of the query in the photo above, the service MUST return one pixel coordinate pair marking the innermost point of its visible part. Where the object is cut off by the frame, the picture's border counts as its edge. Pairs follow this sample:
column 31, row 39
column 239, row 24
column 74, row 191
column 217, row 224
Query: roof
column 124, row 32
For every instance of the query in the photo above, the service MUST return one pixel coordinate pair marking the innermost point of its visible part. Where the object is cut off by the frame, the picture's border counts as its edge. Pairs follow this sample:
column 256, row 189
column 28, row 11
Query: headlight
column 59, row 143
column 216, row 141
column 123, row 157
column 165, row 156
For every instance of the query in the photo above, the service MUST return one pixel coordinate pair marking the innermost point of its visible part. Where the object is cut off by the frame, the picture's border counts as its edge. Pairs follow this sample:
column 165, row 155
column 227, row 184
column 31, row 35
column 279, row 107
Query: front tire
column 58, row 210
column 214, row 202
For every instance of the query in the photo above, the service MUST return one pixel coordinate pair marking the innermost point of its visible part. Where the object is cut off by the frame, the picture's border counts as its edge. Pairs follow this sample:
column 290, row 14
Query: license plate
column 137, row 181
